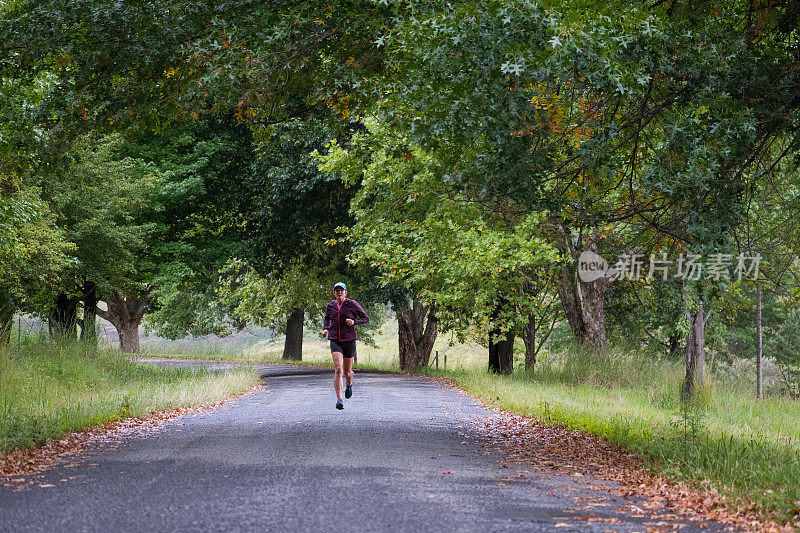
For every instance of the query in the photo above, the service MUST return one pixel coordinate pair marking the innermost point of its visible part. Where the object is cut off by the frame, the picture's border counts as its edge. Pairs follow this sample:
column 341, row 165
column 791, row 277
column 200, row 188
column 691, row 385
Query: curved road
column 399, row 457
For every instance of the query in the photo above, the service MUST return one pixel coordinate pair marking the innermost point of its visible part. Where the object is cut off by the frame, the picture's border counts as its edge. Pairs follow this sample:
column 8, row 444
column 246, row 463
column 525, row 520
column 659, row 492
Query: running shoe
column 348, row 391
column 339, row 404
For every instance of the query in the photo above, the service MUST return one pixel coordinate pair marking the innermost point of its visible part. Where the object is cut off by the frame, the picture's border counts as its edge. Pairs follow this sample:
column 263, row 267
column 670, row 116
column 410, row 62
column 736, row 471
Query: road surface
column 401, row 456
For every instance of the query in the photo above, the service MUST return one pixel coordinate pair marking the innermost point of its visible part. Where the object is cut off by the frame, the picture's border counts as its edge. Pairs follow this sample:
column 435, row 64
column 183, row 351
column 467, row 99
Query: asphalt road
column 400, row 457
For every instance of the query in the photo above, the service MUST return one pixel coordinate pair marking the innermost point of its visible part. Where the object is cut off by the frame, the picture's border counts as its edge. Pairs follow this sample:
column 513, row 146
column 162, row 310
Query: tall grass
column 48, row 389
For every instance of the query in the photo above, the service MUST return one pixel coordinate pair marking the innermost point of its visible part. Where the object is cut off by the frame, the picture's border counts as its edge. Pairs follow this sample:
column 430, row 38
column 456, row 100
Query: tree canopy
column 480, row 149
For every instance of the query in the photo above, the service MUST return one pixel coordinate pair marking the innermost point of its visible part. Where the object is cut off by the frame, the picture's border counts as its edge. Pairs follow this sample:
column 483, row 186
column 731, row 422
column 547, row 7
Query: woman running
column 341, row 316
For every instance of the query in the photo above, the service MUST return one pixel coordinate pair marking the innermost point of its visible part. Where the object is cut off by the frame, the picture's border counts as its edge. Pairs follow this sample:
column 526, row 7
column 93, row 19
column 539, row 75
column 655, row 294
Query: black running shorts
column 346, row 348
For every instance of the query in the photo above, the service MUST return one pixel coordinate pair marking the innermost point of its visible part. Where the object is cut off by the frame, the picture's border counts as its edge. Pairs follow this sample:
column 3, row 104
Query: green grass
column 748, row 449
column 47, row 390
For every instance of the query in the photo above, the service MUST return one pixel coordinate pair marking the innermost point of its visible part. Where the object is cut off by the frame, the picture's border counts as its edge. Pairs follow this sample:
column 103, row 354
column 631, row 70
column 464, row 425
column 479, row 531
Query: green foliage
column 610, row 119
column 420, row 232
column 289, row 257
column 96, row 198
column 642, row 121
column 562, row 96
column 268, row 301
column 294, row 209
column 648, row 314
column 193, row 214
column 174, row 61
column 32, row 247
column 783, row 346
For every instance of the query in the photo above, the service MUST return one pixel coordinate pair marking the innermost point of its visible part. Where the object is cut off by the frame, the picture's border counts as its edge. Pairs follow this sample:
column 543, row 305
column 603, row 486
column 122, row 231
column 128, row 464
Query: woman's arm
column 359, row 315
column 326, row 323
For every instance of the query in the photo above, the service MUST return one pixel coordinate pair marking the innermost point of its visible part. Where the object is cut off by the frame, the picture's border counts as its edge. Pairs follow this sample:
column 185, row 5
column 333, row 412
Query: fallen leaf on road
column 447, row 472
column 613, row 519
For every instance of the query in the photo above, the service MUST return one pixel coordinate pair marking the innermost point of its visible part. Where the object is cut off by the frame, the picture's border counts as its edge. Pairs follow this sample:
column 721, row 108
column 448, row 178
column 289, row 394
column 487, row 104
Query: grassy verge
column 47, row 390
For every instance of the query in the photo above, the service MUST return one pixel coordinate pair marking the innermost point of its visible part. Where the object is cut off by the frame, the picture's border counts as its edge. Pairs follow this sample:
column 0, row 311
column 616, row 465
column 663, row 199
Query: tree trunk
column 584, row 308
column 64, row 318
column 759, row 347
column 125, row 313
column 501, row 352
column 687, row 390
column 583, row 302
column 293, row 347
column 529, row 338
column 700, row 343
column 695, row 352
column 417, row 328
column 128, row 336
column 89, row 323
column 6, row 318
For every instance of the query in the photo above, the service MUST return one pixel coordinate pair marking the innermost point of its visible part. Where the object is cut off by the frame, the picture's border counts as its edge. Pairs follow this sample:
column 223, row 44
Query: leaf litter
column 558, row 451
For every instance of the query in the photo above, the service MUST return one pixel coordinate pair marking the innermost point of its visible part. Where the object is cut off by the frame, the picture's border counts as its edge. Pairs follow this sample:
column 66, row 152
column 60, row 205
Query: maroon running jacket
column 335, row 317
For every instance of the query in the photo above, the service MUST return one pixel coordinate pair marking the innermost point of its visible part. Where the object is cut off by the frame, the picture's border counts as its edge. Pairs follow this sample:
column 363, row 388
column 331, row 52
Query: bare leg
column 337, row 377
column 348, row 370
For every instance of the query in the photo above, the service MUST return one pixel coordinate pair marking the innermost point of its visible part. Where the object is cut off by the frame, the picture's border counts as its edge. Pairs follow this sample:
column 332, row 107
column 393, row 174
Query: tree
column 644, row 119
column 769, row 231
column 541, row 318
column 603, row 117
column 125, row 313
column 782, row 345
column 289, row 228
column 146, row 65
column 311, row 40
column 279, row 302
column 32, row 251
column 202, row 169
column 695, row 351
column 95, row 198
